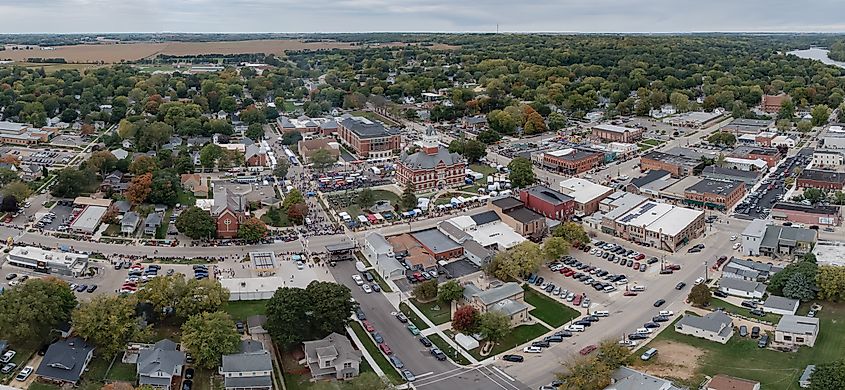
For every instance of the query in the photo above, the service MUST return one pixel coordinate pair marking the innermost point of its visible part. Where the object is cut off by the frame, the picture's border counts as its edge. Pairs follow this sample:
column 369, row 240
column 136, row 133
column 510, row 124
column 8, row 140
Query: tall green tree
column 208, row 336
column 322, row 159
column 29, row 311
column 516, row 262
column 494, row 325
column 107, row 321
column 555, row 247
column 521, row 172
column 820, row 114
column 700, row 295
column 252, row 229
column 426, row 291
column 295, row 314
column 409, row 198
column 572, row 232
column 196, row 223
column 366, row 198
column 828, row 376
column 449, row 291
column 800, row 287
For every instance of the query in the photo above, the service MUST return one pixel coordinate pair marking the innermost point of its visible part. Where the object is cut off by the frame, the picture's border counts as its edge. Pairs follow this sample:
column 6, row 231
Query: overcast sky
column 62, row 16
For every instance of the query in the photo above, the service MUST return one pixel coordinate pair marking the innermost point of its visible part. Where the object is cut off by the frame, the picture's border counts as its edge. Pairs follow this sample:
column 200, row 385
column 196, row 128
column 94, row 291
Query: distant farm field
column 129, row 52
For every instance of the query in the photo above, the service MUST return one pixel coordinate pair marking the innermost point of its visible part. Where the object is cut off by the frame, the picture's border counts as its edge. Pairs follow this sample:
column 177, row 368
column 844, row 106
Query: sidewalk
column 436, row 329
column 365, row 352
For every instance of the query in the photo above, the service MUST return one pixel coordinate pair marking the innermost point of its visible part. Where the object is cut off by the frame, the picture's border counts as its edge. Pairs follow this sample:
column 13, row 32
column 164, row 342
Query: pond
column 818, row 54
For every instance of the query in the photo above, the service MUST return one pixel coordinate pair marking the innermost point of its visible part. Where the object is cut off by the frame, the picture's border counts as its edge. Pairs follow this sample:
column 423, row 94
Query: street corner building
column 433, row 167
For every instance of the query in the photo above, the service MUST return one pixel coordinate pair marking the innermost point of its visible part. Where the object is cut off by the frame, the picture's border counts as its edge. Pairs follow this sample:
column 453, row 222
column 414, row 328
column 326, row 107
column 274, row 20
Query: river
column 817, row 53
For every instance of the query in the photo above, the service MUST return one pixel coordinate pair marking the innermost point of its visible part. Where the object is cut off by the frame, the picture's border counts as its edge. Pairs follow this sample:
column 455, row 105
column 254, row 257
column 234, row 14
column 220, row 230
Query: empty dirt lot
column 128, row 52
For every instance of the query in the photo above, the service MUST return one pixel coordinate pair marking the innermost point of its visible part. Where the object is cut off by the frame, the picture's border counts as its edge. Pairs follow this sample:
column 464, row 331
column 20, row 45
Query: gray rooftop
column 473, row 247
column 524, row 215
column 742, row 285
column 248, row 382
column 762, row 268
column 757, row 228
column 494, row 294
column 798, row 324
column 337, row 344
column 378, row 242
column 485, row 217
column 367, row 130
column 435, row 240
column 787, row 236
column 780, row 303
column 712, row 322
column 453, row 231
column 509, row 306
column 549, row 195
column 247, row 361
column 625, row 378
column 423, row 160
column 64, row 360
column 649, row 177
column 153, row 219
column 714, row 170
column 716, row 187
column 744, row 273
column 162, row 357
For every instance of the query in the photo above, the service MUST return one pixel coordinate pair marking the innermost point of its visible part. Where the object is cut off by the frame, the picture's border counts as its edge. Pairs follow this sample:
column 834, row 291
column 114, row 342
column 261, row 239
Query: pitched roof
column 65, row 359
column 334, row 344
column 494, row 294
column 153, row 219
column 485, row 217
column 780, row 303
column 712, row 322
column 742, row 285
column 253, row 357
column 378, row 242
column 423, row 160
column 162, row 357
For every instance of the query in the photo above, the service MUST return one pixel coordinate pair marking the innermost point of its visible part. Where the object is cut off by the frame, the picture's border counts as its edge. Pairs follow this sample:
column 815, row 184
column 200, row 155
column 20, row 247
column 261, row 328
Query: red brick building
column 810, row 215
column 612, row 133
column 548, row 202
column 823, row 180
column 368, row 140
column 432, row 167
column 572, row 162
column 771, row 103
column 229, row 211
column 770, row 155
column 678, row 165
column 715, row 194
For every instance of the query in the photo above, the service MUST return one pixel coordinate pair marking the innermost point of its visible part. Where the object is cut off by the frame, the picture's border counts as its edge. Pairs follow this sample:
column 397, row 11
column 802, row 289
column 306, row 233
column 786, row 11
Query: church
column 431, row 168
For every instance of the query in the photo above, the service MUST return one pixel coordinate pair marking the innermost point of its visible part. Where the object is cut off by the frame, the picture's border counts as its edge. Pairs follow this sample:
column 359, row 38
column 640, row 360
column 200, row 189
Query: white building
column 715, row 326
column 830, row 252
column 379, row 252
column 586, row 193
column 252, row 289
column 752, row 237
column 742, row 288
column 825, row 158
column 745, row 164
column 780, row 305
column 42, row 260
column 797, row 331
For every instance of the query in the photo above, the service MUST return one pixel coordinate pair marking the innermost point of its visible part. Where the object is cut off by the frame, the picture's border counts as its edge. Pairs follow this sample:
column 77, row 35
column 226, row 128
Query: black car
column 563, row 333
column 513, row 358
column 659, row 302
column 539, row 281
column 764, row 340
column 554, row 339
column 550, row 287
column 680, row 286
column 81, row 287
column 360, row 314
column 187, row 384
column 541, row 344
column 749, row 304
column 425, row 341
column 402, row 318
column 368, row 276
column 660, row 318
column 239, row 326
column 91, row 288
column 651, row 325
column 652, row 260
column 583, row 323
column 189, row 373
column 758, row 312
column 720, row 294
column 591, row 318
column 637, row 336
column 605, row 255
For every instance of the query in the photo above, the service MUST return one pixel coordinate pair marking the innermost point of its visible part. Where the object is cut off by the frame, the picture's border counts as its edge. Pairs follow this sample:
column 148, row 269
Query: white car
column 7, row 357
column 667, row 313
column 532, row 349
column 643, row 331
column 733, row 237
column 24, row 374
column 737, row 246
column 357, row 279
column 628, row 343
column 699, row 281
column 367, row 288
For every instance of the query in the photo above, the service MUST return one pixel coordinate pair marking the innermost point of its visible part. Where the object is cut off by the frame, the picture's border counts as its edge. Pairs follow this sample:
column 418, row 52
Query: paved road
column 432, row 374
column 627, row 313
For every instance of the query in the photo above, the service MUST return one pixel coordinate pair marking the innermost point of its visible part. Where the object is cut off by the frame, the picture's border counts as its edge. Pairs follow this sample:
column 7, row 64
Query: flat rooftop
column 435, row 240
column 582, row 190
column 89, row 219
column 715, row 187
column 830, row 252
column 614, row 128
column 660, row 217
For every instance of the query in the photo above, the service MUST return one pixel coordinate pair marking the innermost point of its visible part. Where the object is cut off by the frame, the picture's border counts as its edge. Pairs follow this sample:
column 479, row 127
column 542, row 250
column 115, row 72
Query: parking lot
column 62, row 213
column 45, row 157
column 757, row 203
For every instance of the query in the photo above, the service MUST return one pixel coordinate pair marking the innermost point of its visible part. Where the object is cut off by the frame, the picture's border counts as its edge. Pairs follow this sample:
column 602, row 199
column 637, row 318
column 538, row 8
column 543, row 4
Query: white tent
column 467, row 342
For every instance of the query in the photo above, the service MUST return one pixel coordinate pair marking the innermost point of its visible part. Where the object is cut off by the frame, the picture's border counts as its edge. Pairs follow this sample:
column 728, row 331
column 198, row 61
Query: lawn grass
column 438, row 317
column 519, row 335
column 448, row 350
column 161, row 232
column 186, row 198
column 42, row 386
column 113, row 230
column 644, row 147
column 355, row 209
column 240, row 310
column 731, row 308
column 122, row 372
column 547, row 309
column 483, row 169
column 412, row 316
column 382, row 362
column 653, row 142
column 776, row 370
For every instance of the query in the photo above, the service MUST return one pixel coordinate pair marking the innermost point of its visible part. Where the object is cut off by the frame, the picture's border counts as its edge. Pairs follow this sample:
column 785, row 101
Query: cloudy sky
column 60, row 16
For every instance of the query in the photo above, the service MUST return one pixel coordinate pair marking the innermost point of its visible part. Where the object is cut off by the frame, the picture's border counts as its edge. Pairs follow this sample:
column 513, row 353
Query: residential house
column 379, row 252
column 129, row 223
column 763, row 271
column 250, row 369
column 780, row 305
column 113, row 182
column 30, row 172
column 120, row 153
column 507, row 298
column 160, row 366
column 625, row 378
column 724, row 382
column 151, row 223
column 715, row 326
column 332, row 357
column 476, row 253
column 412, row 252
column 122, row 206
column 742, row 288
column 65, row 361
column 194, row 183
column 794, row 331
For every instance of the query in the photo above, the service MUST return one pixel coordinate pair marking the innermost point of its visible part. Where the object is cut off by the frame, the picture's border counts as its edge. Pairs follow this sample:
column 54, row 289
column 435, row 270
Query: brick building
column 229, row 211
column 572, row 161
column 521, row 219
column 612, row 133
column 823, row 180
column 771, row 103
column 810, row 215
column 715, row 194
column 432, row 167
column 548, row 202
column 770, row 155
column 367, row 139
column 677, row 165
column 309, row 146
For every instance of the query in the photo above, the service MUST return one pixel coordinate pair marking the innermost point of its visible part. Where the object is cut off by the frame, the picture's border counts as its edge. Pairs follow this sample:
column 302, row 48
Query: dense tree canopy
column 29, row 311
column 295, row 314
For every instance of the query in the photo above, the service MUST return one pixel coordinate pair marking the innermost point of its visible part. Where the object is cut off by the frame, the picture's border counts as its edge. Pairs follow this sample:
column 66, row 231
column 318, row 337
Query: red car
column 586, row 350
column 368, row 326
column 630, row 294
column 577, row 300
column 385, row 349
column 674, row 267
column 639, row 257
column 636, row 265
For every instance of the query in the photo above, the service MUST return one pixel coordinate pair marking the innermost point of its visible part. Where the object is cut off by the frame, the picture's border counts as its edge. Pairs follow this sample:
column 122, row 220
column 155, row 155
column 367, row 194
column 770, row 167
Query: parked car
column 413, row 328
column 9, row 367
column 513, row 358
column 24, row 374
column 402, row 318
column 385, row 348
column 396, row 362
column 408, row 375
column 743, row 331
column 437, row 353
column 659, row 302
column 425, row 341
column 764, row 340
column 532, row 349
column 378, row 337
column 755, row 332
column 360, row 314
column 588, row 349
column 649, row 354
column 680, row 286
column 7, row 357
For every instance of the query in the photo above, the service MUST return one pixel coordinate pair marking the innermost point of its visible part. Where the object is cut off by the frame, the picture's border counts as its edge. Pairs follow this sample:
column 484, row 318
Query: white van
column 610, row 288
column 649, row 354
column 601, row 313
column 643, row 331
column 575, row 328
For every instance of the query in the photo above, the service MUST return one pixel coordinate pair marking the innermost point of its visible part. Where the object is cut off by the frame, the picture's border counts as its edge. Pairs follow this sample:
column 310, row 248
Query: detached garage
column 780, row 305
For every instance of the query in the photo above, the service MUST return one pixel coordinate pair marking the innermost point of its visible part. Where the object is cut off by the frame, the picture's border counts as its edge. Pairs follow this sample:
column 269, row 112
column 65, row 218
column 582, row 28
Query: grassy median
column 447, row 349
column 380, row 359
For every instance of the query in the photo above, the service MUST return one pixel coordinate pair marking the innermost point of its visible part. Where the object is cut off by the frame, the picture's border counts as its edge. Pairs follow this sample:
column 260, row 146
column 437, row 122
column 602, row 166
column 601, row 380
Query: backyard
column 437, row 312
column 240, row 310
column 773, row 369
column 547, row 309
